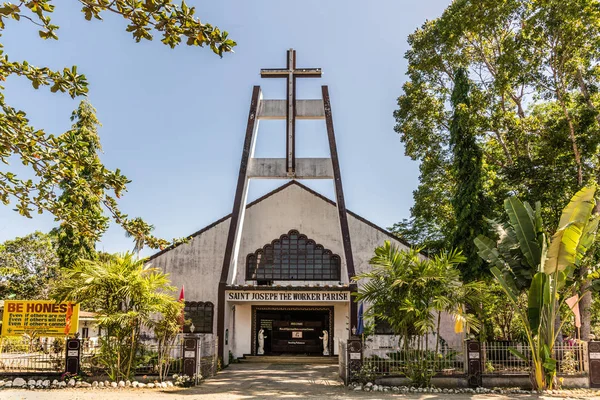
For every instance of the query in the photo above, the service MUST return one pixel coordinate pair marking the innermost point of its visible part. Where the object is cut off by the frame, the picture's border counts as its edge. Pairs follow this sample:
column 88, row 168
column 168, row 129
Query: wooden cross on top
column 290, row 73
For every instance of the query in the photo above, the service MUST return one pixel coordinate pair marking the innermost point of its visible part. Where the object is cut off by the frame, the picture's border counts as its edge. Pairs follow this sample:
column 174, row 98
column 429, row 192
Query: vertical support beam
column 237, row 215
column 290, row 140
column 339, row 197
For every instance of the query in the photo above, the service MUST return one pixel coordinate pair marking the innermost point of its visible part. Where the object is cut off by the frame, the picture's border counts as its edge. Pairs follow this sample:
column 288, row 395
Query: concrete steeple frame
column 290, row 167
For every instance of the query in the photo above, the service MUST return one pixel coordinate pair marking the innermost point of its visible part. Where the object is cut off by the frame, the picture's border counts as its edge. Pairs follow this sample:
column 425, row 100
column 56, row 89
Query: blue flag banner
column 361, row 327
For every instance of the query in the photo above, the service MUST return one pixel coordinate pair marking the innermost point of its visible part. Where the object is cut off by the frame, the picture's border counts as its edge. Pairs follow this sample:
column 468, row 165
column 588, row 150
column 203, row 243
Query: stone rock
column 106, row 384
column 95, row 384
column 127, row 383
column 164, row 385
column 369, row 385
column 142, row 385
column 358, row 388
column 113, row 384
column 151, row 385
column 374, row 387
column 19, row 382
column 55, row 382
column 2, row 383
column 86, row 384
column 101, row 384
column 38, row 383
column 169, row 384
column 71, row 383
column 121, row 384
column 46, row 383
column 8, row 384
column 31, row 382
column 134, row 384
column 62, row 384
column 78, row 384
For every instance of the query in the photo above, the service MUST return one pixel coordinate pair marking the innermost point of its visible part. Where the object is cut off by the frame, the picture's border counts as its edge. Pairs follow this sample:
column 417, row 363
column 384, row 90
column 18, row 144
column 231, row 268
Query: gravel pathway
column 250, row 381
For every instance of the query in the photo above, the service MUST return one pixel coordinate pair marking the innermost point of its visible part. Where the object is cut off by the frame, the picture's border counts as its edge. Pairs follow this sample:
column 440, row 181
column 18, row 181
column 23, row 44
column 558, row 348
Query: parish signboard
column 44, row 317
column 293, row 296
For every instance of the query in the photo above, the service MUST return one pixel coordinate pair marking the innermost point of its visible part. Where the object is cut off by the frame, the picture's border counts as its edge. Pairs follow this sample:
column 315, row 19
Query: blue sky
column 173, row 120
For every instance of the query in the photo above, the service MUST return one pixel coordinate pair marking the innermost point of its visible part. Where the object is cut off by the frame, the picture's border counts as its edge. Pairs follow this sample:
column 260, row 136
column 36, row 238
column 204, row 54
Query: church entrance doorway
column 291, row 330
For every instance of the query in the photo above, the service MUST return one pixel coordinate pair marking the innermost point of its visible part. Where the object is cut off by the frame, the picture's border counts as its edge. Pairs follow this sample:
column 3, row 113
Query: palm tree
column 410, row 292
column 129, row 295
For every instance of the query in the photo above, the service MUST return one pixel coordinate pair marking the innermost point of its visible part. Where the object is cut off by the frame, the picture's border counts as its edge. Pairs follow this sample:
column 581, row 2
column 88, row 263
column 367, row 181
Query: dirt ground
column 250, row 381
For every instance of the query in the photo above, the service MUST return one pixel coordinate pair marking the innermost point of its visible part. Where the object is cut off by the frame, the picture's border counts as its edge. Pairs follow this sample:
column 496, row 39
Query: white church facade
column 275, row 276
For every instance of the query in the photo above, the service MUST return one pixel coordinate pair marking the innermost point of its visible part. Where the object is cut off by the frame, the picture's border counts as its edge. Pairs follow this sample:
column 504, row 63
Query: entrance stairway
column 290, row 359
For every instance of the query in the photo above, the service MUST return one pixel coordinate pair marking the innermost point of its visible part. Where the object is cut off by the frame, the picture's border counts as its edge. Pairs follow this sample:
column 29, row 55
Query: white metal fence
column 499, row 358
column 399, row 360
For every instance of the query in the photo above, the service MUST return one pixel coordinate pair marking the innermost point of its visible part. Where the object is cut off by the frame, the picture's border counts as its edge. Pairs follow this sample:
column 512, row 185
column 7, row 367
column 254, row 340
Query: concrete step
column 290, row 359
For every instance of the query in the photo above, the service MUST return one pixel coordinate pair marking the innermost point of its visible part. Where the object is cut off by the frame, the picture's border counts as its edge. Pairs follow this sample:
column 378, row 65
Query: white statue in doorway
column 325, row 339
column 261, row 342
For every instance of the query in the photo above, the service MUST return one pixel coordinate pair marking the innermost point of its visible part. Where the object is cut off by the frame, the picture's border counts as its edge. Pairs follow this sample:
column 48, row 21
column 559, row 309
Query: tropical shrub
column 409, row 292
column 130, row 296
column 523, row 259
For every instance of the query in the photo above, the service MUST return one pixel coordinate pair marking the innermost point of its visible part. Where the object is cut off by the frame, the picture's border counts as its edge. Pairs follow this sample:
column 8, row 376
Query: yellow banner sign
column 43, row 317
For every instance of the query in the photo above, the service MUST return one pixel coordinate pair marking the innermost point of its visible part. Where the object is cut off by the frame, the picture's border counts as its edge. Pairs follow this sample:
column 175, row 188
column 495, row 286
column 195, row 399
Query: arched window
column 200, row 315
column 293, row 257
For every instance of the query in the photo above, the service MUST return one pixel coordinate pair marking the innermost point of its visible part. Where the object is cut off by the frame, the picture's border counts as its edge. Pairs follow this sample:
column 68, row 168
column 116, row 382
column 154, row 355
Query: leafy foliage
column 534, row 106
column 409, row 292
column 27, row 266
column 533, row 102
column 544, row 269
column 68, row 161
column 468, row 202
column 130, row 296
column 72, row 245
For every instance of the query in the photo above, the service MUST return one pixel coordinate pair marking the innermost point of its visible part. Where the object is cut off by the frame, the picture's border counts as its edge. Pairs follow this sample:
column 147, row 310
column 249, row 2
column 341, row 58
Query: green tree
column 130, row 296
column 52, row 160
column 533, row 105
column 467, row 200
column 410, row 292
column 523, row 250
column 27, row 266
column 72, row 245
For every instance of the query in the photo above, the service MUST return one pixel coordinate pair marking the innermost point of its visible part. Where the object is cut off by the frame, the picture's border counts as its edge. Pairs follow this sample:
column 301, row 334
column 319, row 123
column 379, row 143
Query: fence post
column 594, row 364
column 355, row 357
column 474, row 363
column 73, row 356
column 190, row 355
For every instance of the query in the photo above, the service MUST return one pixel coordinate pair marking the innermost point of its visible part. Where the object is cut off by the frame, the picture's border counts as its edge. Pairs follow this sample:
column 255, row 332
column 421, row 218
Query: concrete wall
column 197, row 265
column 291, row 208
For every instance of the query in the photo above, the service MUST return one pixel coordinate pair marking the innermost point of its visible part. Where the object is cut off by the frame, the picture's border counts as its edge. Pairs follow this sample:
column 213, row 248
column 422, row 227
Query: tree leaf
column 522, row 223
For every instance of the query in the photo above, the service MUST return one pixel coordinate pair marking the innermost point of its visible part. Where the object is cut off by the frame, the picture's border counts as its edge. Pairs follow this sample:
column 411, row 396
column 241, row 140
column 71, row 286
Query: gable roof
column 275, row 191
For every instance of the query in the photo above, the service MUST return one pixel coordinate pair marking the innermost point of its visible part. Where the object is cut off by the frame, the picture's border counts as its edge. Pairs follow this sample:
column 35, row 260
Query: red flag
column 68, row 319
column 182, row 299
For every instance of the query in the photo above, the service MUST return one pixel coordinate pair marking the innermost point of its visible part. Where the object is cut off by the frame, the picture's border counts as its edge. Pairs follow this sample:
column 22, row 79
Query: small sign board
column 44, row 317
column 297, row 335
column 355, row 356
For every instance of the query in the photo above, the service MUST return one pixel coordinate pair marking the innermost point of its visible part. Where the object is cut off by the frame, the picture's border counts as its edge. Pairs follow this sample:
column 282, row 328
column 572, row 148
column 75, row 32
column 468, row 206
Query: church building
column 274, row 277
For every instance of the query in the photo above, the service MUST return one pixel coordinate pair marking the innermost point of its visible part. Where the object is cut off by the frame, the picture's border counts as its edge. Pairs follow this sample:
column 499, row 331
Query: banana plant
column 523, row 258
